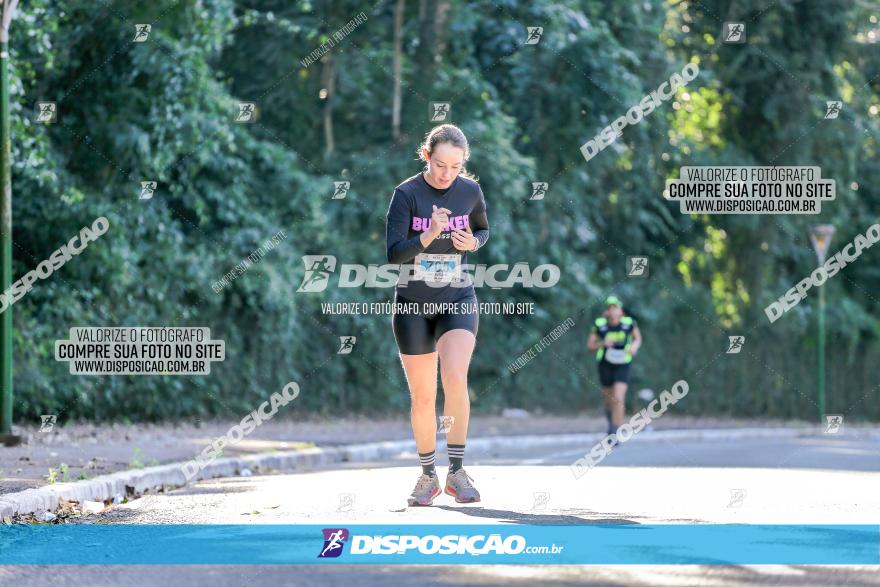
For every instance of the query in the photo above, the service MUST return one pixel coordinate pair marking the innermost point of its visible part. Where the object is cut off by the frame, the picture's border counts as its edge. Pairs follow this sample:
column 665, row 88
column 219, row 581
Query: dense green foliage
column 163, row 110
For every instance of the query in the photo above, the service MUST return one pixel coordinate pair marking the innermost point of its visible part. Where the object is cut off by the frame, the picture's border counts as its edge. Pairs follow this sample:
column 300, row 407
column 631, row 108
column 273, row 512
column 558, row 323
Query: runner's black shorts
column 418, row 333
column 609, row 373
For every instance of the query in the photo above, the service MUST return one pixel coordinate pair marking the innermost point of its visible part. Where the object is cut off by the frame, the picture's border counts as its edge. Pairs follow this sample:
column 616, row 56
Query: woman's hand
column 464, row 240
column 439, row 220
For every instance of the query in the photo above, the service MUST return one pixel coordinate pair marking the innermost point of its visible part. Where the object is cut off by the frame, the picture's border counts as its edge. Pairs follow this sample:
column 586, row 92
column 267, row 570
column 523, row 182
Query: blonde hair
column 446, row 133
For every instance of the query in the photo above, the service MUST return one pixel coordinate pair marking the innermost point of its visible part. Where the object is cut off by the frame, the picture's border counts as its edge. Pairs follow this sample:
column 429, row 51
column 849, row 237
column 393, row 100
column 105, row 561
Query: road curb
column 34, row 501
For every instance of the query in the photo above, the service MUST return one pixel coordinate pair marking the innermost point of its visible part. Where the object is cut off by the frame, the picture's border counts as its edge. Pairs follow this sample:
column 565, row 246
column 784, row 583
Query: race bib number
column 437, row 268
column 615, row 356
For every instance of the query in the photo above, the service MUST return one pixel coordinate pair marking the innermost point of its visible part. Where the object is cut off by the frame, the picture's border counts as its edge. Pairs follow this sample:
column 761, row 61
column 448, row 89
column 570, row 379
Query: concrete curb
column 34, row 501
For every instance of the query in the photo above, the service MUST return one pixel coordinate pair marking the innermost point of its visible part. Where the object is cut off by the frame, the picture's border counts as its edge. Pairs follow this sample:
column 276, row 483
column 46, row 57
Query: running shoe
column 459, row 486
column 427, row 488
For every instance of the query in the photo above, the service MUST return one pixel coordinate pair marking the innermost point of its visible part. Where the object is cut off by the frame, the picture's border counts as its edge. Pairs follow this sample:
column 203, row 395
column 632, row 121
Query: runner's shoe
column 459, row 486
column 427, row 488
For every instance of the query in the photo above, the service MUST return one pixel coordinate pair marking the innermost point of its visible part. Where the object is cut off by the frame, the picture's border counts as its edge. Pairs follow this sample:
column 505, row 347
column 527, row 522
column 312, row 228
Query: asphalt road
column 822, row 479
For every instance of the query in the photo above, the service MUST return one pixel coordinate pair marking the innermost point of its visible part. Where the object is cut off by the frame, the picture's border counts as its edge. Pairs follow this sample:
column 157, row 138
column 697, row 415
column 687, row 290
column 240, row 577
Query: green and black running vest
column 621, row 334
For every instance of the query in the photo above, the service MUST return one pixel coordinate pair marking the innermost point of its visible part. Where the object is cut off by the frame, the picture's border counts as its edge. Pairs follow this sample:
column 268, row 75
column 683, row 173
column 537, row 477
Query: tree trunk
column 397, row 68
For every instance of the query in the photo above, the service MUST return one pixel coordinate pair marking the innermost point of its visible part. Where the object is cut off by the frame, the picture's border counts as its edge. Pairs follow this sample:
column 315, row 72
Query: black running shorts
column 418, row 333
column 609, row 374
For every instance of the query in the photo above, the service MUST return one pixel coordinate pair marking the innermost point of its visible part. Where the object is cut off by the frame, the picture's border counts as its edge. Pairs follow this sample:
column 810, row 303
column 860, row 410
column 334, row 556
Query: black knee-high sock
column 427, row 460
column 456, row 456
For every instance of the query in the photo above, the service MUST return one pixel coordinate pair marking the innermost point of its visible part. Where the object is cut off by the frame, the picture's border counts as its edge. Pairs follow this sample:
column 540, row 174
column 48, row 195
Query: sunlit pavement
column 821, row 479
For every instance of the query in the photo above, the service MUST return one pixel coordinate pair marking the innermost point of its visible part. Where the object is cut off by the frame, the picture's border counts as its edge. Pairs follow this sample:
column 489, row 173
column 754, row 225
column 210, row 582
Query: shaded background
column 163, row 110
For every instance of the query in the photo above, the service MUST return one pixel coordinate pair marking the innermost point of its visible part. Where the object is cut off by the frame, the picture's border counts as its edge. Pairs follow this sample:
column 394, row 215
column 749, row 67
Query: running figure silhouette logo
column 47, row 112
column 341, row 188
column 47, row 422
column 346, row 345
column 247, row 112
column 534, row 35
column 737, row 496
column 832, row 109
column 539, row 190
column 318, row 270
column 148, row 188
column 734, row 32
column 334, row 541
column 833, row 423
column 440, row 111
column 735, row 344
column 141, row 33
column 637, row 266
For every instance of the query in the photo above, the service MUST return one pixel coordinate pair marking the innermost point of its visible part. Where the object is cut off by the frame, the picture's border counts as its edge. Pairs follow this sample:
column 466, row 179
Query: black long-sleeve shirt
column 409, row 215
